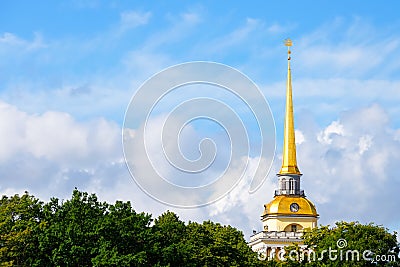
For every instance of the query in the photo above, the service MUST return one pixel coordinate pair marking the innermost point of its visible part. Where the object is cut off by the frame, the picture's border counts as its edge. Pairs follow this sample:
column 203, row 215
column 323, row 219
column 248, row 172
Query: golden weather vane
column 288, row 43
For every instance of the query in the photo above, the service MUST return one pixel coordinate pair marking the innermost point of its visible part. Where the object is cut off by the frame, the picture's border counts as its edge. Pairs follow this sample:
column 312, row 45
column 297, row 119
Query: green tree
column 124, row 237
column 344, row 245
column 217, row 245
column 20, row 221
column 198, row 244
column 70, row 237
column 169, row 242
column 83, row 231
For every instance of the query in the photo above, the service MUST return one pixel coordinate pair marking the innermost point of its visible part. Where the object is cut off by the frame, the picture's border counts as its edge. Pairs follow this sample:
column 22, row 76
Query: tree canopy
column 346, row 244
column 82, row 231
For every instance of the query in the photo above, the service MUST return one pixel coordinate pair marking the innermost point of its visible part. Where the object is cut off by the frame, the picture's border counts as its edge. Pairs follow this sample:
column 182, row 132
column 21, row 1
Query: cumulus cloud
column 348, row 167
column 55, row 136
column 53, row 150
column 325, row 136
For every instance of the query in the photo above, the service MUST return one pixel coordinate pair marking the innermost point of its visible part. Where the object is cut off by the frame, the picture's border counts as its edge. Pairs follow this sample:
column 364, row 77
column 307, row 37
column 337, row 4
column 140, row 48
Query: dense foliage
column 346, row 244
column 82, row 231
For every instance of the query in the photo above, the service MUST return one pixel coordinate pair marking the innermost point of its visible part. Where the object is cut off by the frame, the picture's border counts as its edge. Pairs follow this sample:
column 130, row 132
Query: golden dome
column 290, row 205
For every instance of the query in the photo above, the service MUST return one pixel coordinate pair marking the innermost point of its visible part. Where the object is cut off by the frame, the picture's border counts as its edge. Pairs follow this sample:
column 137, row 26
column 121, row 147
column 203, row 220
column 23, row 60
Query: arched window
column 283, row 184
column 291, row 184
column 294, row 227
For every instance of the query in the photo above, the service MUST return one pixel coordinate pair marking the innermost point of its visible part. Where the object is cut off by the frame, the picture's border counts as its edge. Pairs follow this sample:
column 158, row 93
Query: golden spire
column 289, row 162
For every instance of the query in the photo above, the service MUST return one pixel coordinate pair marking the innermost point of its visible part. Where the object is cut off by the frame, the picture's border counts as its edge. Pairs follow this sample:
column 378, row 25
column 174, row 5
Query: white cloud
column 364, row 143
column 11, row 41
column 9, row 38
column 131, row 19
column 335, row 128
column 239, row 198
column 50, row 153
column 344, row 48
column 276, row 28
column 347, row 171
column 299, row 137
column 191, row 17
column 351, row 161
column 55, row 136
column 179, row 27
column 236, row 37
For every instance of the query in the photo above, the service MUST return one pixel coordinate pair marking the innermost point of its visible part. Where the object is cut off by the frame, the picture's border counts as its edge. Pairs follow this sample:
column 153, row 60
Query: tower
column 289, row 213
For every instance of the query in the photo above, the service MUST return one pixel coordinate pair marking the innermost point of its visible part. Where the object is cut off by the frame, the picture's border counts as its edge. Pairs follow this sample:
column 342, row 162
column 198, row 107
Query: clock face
column 294, row 207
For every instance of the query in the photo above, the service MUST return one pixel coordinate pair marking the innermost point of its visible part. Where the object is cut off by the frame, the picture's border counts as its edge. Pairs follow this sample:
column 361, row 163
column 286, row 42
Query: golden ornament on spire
column 288, row 42
column 289, row 161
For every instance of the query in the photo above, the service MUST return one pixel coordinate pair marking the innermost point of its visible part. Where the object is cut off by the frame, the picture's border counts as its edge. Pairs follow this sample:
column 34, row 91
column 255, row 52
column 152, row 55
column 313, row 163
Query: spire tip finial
column 288, row 42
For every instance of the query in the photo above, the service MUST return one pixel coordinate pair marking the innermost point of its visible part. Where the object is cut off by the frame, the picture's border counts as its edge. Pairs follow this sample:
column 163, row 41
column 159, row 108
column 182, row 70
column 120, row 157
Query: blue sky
column 69, row 68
